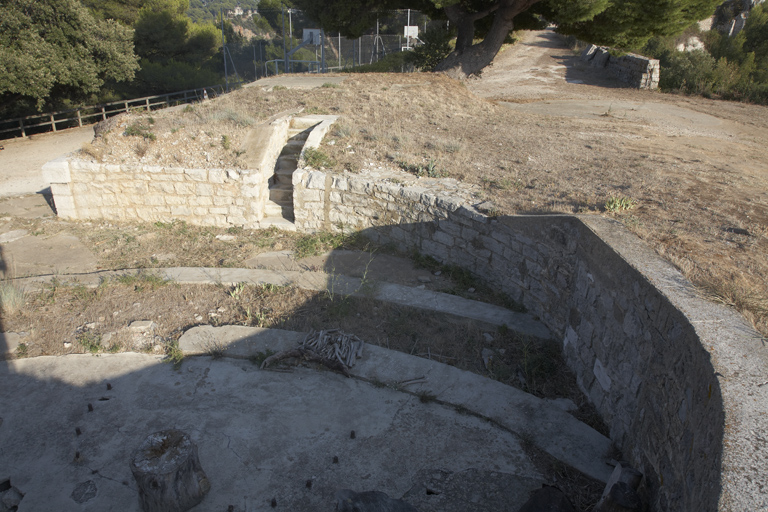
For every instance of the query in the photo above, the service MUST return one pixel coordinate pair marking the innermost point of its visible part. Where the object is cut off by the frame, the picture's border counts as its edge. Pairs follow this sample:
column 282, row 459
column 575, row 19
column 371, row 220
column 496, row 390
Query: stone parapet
column 212, row 197
column 635, row 70
column 678, row 380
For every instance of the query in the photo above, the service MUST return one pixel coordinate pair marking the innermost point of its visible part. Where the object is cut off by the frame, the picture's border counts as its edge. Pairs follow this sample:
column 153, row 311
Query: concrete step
column 285, row 175
column 280, row 194
column 298, row 134
column 542, row 422
column 293, row 147
column 278, row 222
column 287, row 162
column 281, row 209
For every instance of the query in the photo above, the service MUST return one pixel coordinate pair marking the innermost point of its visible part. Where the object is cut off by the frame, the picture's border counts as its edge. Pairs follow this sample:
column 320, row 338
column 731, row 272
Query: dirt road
column 22, row 159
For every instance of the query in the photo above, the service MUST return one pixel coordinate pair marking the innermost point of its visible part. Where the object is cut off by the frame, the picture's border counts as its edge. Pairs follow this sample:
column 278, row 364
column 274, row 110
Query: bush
column 437, row 45
column 690, row 72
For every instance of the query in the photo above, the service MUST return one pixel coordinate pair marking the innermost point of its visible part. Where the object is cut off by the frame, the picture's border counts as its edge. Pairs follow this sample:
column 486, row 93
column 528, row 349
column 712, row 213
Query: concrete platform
column 261, row 435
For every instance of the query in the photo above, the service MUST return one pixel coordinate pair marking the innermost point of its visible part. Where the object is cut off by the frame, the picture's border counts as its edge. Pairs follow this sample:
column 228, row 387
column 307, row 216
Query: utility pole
column 224, row 49
column 322, row 51
column 408, row 36
column 285, row 53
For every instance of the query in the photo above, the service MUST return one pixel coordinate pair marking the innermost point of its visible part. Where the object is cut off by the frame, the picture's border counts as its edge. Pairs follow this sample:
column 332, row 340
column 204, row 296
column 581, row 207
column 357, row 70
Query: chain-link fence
column 286, row 41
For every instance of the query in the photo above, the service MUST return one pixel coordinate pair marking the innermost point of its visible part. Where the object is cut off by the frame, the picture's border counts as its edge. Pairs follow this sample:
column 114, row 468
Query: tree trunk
column 469, row 60
column 168, row 473
column 465, row 26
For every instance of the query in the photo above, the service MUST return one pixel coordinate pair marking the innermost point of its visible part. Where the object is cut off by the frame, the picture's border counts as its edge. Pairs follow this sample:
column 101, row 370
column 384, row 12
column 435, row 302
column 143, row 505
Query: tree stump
column 168, row 473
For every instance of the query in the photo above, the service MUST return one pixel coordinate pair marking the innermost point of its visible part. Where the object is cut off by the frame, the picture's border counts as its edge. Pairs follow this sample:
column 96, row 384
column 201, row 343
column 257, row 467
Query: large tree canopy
column 57, row 49
column 175, row 53
column 622, row 23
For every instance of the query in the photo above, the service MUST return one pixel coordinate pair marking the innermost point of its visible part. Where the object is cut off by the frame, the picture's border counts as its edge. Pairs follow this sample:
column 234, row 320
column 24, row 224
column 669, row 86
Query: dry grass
column 74, row 319
column 699, row 203
column 699, row 200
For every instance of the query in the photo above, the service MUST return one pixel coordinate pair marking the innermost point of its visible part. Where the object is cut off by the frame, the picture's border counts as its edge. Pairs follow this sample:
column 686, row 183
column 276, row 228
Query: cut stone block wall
column 647, row 351
column 214, row 197
column 88, row 190
column 635, row 70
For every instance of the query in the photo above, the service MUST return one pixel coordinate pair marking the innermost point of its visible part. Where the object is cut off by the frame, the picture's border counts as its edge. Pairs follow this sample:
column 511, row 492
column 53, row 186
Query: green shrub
column 317, row 159
column 437, row 45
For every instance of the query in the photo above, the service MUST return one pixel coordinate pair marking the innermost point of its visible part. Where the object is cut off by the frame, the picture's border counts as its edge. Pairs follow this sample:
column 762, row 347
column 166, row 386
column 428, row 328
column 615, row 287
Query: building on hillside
column 240, row 12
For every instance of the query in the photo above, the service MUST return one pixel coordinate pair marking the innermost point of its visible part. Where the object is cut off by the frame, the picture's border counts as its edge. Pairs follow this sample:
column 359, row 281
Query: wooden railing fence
column 96, row 113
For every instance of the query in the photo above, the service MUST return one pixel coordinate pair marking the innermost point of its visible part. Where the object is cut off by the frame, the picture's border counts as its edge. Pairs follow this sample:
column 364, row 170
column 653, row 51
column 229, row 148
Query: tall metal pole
column 339, row 50
column 408, row 37
column 285, row 53
column 224, row 49
column 322, row 51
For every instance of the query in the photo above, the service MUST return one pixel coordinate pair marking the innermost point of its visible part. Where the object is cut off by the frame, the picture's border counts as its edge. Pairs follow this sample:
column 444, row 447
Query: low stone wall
column 635, row 70
column 87, row 190
column 645, row 349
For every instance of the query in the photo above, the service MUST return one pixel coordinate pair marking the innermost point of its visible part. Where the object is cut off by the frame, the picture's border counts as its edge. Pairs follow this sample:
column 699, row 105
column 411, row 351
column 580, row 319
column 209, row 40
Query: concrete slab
column 59, row 254
column 398, row 294
column 9, row 342
column 260, row 434
column 543, row 422
column 34, row 206
column 372, row 266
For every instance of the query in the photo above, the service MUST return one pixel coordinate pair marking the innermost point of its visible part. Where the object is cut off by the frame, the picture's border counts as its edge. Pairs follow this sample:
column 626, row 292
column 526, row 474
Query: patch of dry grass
column 74, row 319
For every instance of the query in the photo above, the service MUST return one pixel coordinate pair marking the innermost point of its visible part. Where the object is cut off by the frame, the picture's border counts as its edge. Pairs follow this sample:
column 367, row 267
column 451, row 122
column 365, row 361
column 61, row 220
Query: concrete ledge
column 550, row 428
column 57, row 171
column 323, row 124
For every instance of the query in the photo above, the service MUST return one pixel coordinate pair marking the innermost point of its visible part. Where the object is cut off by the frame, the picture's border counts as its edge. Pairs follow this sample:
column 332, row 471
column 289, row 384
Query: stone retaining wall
column 645, row 349
column 635, row 70
column 87, row 190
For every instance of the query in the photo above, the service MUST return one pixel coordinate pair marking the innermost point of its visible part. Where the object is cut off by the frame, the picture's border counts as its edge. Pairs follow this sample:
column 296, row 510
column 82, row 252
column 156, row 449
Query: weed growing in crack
column 142, row 281
column 237, row 291
column 428, row 170
column 259, row 357
column 174, row 354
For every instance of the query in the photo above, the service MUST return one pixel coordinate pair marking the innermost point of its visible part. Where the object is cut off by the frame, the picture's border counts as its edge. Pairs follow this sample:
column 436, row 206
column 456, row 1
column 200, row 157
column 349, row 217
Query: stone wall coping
column 738, row 354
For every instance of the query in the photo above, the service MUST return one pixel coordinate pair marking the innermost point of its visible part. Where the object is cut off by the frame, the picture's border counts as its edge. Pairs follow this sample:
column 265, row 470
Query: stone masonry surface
column 655, row 359
column 678, row 380
column 635, row 70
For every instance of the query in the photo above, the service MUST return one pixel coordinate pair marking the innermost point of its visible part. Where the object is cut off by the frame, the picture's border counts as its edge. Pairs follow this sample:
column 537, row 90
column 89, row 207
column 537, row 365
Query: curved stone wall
column 677, row 379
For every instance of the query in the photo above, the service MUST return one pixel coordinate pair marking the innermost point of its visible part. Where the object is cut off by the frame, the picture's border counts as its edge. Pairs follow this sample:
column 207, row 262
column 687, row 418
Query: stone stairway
column 279, row 207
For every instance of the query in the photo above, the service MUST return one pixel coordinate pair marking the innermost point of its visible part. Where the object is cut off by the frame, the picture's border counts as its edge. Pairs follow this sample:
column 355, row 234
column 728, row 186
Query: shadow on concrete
column 69, row 424
column 48, row 196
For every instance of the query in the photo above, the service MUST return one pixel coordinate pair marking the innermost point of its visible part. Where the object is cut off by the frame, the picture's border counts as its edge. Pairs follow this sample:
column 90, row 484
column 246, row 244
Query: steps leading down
column 280, row 203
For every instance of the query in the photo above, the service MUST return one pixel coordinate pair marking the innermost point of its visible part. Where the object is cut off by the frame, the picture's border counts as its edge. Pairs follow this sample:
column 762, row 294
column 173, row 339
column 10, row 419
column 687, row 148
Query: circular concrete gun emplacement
column 679, row 381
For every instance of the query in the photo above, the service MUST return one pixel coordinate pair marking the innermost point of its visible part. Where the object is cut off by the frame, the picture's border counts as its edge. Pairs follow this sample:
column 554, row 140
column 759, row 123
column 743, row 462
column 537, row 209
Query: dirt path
column 21, row 160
